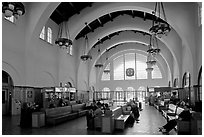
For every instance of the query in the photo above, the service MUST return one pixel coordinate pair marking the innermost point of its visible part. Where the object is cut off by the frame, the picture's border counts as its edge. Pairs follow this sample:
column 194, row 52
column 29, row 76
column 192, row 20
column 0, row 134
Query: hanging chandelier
column 99, row 64
column 149, row 69
column 15, row 9
column 153, row 46
column 63, row 39
column 85, row 56
column 159, row 27
column 151, row 61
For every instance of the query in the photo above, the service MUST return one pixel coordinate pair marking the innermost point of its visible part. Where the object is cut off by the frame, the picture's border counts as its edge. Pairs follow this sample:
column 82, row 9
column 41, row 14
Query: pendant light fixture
column 159, row 27
column 63, row 39
column 153, row 46
column 15, row 9
column 99, row 63
column 85, row 55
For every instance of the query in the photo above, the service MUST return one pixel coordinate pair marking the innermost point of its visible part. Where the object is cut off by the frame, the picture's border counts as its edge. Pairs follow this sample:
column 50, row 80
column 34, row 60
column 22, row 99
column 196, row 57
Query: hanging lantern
column 15, row 9
column 149, row 70
column 85, row 56
column 151, row 61
column 63, row 40
column 153, row 46
column 159, row 27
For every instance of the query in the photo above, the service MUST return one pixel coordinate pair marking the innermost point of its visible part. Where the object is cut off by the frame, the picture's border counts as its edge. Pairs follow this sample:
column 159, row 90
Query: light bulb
column 8, row 13
column 11, row 6
column 20, row 12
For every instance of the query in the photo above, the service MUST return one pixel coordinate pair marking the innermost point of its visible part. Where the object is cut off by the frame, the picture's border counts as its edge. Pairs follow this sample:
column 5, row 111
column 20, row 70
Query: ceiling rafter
column 71, row 4
column 133, row 14
column 89, row 27
column 61, row 15
column 101, row 24
column 110, row 16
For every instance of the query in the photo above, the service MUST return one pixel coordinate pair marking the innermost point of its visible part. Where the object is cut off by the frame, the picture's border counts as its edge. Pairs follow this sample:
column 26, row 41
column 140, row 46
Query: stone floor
column 150, row 120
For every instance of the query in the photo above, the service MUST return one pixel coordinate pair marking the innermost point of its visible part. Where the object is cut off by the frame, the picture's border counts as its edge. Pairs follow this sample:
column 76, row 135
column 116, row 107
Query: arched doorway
column 7, row 89
column 200, row 84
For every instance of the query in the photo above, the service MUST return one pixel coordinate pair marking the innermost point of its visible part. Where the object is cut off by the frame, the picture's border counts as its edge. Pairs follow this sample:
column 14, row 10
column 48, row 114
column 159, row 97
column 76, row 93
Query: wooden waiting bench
column 183, row 127
column 61, row 114
column 121, row 117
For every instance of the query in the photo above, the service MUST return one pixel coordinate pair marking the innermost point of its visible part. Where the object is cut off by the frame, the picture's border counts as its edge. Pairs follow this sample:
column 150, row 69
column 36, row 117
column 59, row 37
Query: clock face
column 130, row 72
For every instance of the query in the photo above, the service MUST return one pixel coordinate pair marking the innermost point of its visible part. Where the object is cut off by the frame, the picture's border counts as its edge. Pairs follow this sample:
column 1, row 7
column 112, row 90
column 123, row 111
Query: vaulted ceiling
column 66, row 10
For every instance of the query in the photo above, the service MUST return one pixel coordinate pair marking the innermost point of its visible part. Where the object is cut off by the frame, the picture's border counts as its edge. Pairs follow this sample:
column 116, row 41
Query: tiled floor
column 150, row 120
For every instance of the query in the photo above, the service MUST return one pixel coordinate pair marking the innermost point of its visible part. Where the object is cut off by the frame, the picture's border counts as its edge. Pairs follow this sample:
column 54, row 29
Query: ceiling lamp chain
column 15, row 9
column 99, row 64
column 85, row 56
column 107, row 71
column 63, row 39
column 159, row 27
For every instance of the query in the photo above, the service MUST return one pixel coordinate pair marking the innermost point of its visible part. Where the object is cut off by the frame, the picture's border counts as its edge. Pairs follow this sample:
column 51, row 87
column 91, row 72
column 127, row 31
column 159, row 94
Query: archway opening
column 7, row 90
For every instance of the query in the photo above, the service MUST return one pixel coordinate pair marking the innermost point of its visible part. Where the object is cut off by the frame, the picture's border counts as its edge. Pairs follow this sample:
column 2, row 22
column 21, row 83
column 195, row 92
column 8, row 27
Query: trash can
column 38, row 119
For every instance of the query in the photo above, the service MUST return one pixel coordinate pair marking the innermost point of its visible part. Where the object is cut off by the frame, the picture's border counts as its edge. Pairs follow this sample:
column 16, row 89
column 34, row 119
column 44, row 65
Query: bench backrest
column 117, row 112
column 58, row 110
column 175, row 109
column 77, row 107
column 179, row 110
column 172, row 107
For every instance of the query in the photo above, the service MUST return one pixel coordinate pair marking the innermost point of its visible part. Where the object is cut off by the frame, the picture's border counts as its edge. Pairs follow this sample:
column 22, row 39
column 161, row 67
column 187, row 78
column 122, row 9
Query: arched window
column 49, row 35
column 42, row 33
column 200, row 84
column 106, row 75
column 141, row 93
column 130, row 89
column 118, row 94
column 118, row 65
column 105, row 93
column 141, row 66
column 130, row 93
column 156, row 73
column 176, row 82
column 186, row 80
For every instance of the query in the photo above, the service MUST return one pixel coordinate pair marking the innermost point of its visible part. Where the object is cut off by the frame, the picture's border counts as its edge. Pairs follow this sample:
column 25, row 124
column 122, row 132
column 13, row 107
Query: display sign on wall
column 130, row 72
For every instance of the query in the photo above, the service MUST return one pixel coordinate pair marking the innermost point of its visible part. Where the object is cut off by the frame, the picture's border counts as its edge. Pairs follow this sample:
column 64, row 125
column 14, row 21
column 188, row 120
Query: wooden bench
column 183, row 127
column 61, row 114
column 120, row 116
column 79, row 109
column 98, row 119
column 57, row 115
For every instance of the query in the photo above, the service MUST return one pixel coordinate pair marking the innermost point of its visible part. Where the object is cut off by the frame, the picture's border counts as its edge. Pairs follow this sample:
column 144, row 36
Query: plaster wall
column 13, row 49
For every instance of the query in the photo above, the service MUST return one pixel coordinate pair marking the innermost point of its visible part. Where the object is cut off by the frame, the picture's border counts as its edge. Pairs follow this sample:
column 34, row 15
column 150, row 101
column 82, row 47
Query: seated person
column 135, row 111
column 106, row 107
column 185, row 115
column 97, row 112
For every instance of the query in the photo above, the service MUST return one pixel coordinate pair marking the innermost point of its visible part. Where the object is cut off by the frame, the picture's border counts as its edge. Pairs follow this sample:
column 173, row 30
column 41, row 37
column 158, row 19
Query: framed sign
column 29, row 94
column 130, row 72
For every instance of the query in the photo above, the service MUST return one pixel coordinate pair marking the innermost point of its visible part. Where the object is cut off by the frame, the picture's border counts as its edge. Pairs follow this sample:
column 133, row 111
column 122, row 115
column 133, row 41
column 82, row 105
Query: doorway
column 7, row 89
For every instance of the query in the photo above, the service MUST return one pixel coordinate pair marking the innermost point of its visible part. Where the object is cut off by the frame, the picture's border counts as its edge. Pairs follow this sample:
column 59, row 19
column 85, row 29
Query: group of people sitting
column 185, row 115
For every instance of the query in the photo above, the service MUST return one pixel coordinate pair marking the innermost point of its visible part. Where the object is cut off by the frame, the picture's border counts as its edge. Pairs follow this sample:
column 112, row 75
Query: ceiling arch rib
column 130, row 37
column 109, row 17
column 126, row 23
